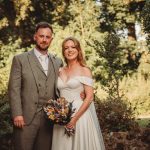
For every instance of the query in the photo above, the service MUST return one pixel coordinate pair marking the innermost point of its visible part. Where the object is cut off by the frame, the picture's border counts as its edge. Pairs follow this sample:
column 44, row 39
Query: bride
column 74, row 78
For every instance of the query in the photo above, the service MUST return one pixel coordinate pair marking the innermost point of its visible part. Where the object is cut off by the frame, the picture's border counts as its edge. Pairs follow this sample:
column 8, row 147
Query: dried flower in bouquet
column 60, row 112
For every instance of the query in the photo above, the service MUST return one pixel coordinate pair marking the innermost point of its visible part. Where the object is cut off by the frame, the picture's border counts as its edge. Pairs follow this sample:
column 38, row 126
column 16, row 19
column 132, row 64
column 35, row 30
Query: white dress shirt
column 43, row 59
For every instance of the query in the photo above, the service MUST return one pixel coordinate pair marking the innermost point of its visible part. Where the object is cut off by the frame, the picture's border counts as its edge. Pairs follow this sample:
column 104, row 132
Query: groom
column 32, row 83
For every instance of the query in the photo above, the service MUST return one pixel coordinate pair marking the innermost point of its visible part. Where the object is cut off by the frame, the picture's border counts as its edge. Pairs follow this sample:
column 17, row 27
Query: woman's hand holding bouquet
column 60, row 112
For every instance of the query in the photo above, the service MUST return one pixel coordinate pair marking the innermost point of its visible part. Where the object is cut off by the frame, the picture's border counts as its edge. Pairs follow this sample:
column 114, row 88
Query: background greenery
column 114, row 47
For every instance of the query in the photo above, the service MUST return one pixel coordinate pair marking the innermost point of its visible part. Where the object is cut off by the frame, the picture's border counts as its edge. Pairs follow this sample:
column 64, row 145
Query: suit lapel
column 34, row 63
column 54, row 65
column 56, row 68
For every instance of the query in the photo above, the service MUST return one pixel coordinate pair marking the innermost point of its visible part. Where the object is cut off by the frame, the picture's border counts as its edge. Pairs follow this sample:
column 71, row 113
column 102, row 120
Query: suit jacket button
column 35, row 103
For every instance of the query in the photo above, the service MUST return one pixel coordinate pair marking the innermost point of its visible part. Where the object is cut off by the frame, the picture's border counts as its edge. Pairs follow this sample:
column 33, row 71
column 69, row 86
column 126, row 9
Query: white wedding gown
column 87, row 132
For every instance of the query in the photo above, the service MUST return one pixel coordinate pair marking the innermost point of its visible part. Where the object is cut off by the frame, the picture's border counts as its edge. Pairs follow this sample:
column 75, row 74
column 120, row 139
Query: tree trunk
column 131, row 32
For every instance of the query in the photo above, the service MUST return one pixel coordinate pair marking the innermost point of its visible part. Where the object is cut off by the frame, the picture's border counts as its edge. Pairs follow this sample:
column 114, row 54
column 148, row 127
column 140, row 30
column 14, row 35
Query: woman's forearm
column 84, row 107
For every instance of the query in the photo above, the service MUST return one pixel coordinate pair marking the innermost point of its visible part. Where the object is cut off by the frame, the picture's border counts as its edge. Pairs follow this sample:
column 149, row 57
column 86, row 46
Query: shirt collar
column 38, row 54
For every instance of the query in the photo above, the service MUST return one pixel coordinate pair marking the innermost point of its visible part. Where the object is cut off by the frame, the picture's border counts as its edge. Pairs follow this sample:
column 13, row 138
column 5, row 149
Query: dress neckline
column 70, row 78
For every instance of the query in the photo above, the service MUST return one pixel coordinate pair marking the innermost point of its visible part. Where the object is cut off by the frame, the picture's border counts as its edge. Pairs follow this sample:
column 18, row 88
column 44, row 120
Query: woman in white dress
column 74, row 78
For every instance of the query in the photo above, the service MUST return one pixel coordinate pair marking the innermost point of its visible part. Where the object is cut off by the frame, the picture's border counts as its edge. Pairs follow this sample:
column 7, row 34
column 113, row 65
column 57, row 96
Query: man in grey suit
column 32, row 83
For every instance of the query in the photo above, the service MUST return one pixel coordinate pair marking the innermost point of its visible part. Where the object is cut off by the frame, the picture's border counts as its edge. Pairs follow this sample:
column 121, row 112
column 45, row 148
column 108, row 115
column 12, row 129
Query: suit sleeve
column 14, row 88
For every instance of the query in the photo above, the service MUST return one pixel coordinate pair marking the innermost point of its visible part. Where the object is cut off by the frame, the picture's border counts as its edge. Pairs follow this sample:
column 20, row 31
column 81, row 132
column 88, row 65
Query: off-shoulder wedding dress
column 87, row 131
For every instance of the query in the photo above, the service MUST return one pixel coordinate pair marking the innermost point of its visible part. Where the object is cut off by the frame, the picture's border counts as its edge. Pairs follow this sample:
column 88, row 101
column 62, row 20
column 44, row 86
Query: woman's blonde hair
column 80, row 57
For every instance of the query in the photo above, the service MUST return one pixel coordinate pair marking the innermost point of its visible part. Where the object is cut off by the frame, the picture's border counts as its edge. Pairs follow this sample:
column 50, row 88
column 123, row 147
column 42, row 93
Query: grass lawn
column 143, row 122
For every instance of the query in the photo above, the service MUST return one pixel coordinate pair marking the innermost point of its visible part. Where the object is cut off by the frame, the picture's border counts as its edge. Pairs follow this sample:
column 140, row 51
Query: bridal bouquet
column 59, row 112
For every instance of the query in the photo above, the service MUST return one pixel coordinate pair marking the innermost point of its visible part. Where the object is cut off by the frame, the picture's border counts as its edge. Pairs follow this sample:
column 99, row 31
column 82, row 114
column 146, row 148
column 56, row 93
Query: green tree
column 118, row 15
column 145, row 17
column 109, row 65
column 115, row 113
column 18, row 18
column 122, row 16
column 6, row 54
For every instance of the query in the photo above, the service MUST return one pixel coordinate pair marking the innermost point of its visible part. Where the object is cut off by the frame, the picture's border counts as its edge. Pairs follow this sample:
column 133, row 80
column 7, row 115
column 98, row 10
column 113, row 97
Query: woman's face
column 70, row 51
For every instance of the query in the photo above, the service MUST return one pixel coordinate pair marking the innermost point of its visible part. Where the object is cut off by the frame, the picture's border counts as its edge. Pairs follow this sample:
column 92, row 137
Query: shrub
column 5, row 119
column 115, row 115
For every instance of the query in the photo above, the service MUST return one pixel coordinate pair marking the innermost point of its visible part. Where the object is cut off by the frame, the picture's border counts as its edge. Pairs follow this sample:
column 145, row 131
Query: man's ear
column 52, row 39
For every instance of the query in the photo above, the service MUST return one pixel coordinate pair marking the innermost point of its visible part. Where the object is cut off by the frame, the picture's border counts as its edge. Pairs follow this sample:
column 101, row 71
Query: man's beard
column 41, row 48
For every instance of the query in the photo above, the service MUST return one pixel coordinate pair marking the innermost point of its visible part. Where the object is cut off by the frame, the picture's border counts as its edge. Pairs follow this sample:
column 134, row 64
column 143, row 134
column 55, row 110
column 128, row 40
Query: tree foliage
column 146, row 19
column 118, row 15
column 114, row 113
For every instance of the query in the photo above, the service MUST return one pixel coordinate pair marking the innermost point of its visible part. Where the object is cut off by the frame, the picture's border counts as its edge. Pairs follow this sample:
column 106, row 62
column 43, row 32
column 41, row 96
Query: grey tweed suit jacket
column 23, row 84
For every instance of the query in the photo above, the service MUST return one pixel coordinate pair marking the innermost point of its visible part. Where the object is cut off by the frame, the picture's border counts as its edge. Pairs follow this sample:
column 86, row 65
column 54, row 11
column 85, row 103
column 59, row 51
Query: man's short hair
column 43, row 25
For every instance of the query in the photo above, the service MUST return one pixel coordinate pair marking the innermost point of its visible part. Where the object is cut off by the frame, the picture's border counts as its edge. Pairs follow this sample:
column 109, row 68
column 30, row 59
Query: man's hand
column 19, row 121
column 82, row 95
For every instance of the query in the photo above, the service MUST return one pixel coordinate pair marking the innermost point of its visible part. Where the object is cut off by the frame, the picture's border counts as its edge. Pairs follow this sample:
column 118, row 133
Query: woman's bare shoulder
column 85, row 71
